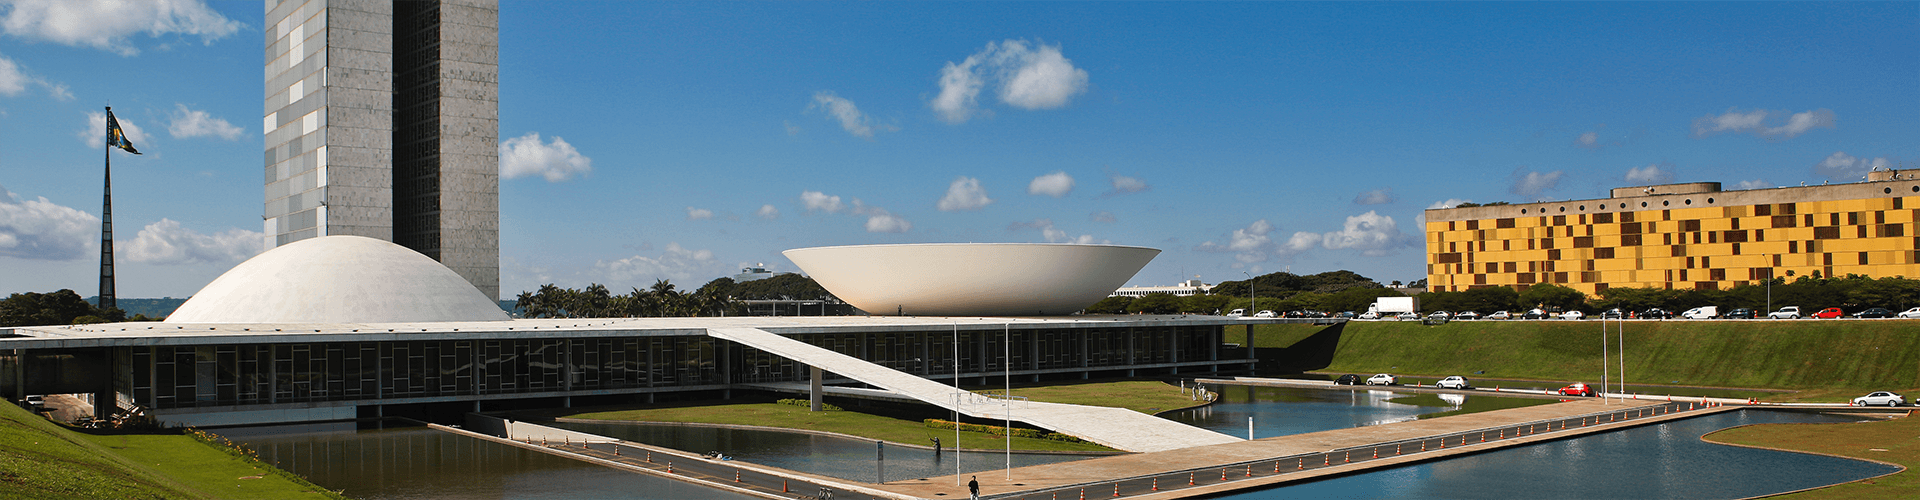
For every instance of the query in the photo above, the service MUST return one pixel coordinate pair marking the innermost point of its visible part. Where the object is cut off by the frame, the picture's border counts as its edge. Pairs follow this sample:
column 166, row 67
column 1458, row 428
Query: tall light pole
column 1251, row 308
column 1769, row 264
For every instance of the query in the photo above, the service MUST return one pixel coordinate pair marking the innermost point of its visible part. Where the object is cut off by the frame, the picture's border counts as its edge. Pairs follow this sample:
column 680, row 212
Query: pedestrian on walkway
column 936, row 446
column 973, row 488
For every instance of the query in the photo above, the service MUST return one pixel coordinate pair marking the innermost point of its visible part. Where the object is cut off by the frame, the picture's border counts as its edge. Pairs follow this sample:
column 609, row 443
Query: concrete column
column 813, row 389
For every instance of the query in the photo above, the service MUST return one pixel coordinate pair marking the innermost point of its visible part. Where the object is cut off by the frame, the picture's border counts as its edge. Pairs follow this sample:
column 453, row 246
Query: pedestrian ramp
column 1116, row 428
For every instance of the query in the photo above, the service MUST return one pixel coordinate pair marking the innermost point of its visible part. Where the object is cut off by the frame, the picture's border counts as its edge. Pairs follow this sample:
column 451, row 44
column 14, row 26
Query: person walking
column 973, row 488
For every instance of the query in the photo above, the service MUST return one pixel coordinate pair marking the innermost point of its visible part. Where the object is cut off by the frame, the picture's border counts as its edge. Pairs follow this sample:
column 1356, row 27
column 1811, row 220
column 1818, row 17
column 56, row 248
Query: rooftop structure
column 1681, row 236
column 338, row 279
column 1184, row 289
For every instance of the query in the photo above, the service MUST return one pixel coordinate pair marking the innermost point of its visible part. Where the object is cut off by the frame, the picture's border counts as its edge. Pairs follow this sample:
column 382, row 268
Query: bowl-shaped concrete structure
column 972, row 279
column 338, row 279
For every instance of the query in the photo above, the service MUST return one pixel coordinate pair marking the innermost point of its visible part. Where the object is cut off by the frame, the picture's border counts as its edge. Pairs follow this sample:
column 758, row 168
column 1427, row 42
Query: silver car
column 1453, row 382
column 1880, row 398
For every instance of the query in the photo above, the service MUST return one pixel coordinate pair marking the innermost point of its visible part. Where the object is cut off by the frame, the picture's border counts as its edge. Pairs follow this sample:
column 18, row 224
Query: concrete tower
column 383, row 120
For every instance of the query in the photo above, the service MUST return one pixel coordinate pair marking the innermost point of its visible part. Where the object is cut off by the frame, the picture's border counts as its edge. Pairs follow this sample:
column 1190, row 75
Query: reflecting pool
column 852, row 459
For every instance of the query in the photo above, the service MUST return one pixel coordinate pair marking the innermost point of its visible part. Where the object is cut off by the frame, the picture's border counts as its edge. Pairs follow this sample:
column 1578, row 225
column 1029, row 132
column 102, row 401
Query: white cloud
column 1125, row 185
column 768, row 212
column 1028, row 77
column 1056, row 184
column 1651, row 174
column 1754, row 122
column 699, row 213
column 105, row 24
column 526, row 155
column 1371, row 233
column 964, row 194
column 1844, row 167
column 191, row 123
column 887, row 223
column 851, row 119
column 1589, row 140
column 1752, row 184
column 816, row 201
column 42, row 230
column 1531, row 184
column 58, row 91
column 1447, row 203
column 166, row 242
column 1375, row 197
column 14, row 81
column 1102, row 216
column 686, row 268
column 95, row 135
column 1054, row 234
column 1249, row 244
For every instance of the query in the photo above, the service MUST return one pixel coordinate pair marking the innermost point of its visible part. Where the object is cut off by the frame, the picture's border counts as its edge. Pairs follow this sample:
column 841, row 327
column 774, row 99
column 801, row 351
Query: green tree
column 63, row 307
column 1205, row 304
column 1155, row 303
column 1551, row 295
column 1111, row 305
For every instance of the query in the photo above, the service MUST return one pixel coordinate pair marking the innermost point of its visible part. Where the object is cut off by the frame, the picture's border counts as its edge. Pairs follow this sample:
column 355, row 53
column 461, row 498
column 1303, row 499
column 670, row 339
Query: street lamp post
column 1769, row 263
column 1251, row 308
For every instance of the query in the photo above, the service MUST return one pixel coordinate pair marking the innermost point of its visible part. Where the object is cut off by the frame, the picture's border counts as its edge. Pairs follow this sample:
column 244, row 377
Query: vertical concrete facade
column 382, row 120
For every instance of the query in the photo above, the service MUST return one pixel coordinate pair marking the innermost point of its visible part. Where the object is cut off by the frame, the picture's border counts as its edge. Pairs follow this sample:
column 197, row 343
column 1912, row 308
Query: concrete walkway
column 1116, row 428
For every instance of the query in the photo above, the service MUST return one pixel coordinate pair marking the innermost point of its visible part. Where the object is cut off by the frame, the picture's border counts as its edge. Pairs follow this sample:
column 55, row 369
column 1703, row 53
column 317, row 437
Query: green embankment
column 42, row 460
column 1823, row 358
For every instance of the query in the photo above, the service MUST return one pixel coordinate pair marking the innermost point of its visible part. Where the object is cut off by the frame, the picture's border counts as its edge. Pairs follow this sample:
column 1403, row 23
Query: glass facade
column 163, row 377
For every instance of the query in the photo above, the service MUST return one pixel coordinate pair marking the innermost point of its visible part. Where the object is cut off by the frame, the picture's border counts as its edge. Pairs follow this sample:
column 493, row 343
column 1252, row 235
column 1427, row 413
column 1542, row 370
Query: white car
column 1382, row 379
column 1880, row 398
column 1911, row 313
column 1453, row 382
column 1789, row 312
column 1263, row 314
column 1505, row 315
column 1573, row 315
column 1376, row 314
column 1237, row 313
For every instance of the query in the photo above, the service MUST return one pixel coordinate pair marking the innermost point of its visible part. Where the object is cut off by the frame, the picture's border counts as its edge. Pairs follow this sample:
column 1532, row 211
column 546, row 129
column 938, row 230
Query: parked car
column 1874, row 312
column 1534, row 314
column 1453, row 382
column 1702, row 312
column 1263, row 314
column 1789, row 312
column 1468, row 315
column 1348, row 379
column 1407, row 316
column 1504, row 315
column 1369, row 315
column 1829, row 313
column 1655, row 313
column 1911, row 313
column 1383, row 379
column 36, row 402
column 1237, row 313
column 1345, row 315
column 1880, row 398
column 1614, row 313
column 1574, row 314
column 1578, row 389
column 1439, row 315
column 1745, row 313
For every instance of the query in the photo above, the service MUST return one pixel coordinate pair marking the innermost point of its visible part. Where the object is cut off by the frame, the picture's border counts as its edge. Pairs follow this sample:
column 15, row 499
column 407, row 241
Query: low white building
column 1185, row 288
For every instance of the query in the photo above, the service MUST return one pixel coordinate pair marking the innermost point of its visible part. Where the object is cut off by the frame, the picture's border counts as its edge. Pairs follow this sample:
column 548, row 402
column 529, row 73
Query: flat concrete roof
column 157, row 333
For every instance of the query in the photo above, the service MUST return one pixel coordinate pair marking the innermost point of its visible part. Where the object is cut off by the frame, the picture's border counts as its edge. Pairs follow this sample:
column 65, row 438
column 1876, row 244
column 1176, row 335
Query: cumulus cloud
column 1841, row 166
column 1752, row 184
column 106, row 24
column 842, row 109
column 1375, row 197
column 42, row 230
column 192, row 123
column 675, row 263
column 1755, row 122
column 1056, row 184
column 1447, row 203
column 1589, row 140
column 964, row 193
column 699, row 213
column 95, row 134
column 768, row 212
column 879, row 220
column 1026, row 76
column 166, row 242
column 526, row 156
column 1254, row 243
column 1531, row 184
column 14, row 81
column 1102, row 216
column 816, row 201
column 1126, row 185
column 1370, row 233
column 1656, row 173
column 1054, row 234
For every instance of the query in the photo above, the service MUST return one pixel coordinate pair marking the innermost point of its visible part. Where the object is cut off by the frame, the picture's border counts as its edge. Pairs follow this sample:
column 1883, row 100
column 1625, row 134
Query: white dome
column 972, row 279
column 338, row 279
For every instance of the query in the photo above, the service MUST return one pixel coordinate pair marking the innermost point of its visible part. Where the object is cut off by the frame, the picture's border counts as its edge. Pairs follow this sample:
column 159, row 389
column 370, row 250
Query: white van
column 1703, row 312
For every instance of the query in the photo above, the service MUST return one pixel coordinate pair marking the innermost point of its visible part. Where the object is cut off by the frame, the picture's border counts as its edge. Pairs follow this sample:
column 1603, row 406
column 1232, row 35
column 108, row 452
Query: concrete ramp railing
column 1116, row 428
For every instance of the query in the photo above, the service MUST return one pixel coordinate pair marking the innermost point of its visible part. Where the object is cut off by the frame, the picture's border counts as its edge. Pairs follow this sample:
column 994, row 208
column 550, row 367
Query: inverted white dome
column 972, row 279
column 338, row 279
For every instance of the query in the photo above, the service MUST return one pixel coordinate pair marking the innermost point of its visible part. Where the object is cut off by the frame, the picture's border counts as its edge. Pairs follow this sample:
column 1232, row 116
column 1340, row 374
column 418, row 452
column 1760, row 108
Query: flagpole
column 106, row 221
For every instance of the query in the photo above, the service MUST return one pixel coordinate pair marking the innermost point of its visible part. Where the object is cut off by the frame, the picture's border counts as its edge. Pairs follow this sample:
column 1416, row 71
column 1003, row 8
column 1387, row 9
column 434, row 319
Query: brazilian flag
column 117, row 138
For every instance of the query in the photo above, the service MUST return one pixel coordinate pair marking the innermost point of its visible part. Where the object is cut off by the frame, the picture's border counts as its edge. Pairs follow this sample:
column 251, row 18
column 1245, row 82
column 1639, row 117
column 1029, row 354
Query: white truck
column 1702, row 312
column 1388, row 306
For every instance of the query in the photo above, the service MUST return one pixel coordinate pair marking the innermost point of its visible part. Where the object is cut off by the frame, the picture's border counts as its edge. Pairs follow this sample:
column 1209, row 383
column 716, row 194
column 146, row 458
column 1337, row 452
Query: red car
column 1829, row 313
column 1578, row 389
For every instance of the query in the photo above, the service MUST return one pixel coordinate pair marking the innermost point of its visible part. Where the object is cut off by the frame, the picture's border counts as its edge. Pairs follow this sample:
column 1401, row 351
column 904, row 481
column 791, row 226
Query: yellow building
column 1681, row 236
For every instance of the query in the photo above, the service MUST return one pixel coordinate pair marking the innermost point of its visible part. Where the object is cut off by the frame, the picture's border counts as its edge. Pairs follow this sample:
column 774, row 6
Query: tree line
column 1330, row 291
column 64, row 307
column 1851, row 293
column 720, row 297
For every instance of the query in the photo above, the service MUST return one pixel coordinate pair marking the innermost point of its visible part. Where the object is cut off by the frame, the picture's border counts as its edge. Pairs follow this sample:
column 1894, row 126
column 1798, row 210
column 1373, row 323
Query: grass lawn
column 42, row 460
column 1894, row 441
column 869, row 426
column 1145, row 396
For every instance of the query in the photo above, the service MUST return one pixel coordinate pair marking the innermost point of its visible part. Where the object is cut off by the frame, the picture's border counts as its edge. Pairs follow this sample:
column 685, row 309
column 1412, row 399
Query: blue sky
column 681, row 141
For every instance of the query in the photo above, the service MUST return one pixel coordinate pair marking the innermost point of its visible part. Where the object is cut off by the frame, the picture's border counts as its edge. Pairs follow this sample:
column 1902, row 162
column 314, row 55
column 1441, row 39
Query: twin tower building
column 382, row 120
